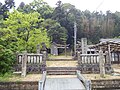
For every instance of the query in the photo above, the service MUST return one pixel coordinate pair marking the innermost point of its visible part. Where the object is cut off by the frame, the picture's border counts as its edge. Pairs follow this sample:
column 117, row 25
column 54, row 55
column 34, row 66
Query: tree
column 7, row 58
column 43, row 8
column 57, row 33
column 25, row 8
column 4, row 8
column 65, row 15
column 21, row 30
column 36, row 6
column 116, row 32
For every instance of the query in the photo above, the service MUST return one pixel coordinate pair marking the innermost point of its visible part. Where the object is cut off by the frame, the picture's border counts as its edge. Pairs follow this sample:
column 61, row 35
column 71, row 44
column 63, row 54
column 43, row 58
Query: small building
column 112, row 46
column 55, row 48
column 116, row 40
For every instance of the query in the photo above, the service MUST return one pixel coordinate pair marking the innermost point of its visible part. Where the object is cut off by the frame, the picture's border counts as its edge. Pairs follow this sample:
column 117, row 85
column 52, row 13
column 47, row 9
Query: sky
column 92, row 5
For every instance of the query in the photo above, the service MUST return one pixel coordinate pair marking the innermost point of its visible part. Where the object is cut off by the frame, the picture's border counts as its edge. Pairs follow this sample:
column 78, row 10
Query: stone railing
column 31, row 58
column 30, row 63
column 89, row 59
column 86, row 83
column 41, row 83
column 94, row 63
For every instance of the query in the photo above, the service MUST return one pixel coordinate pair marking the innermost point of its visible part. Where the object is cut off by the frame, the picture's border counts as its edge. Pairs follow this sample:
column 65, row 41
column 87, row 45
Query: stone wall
column 32, row 85
column 111, row 84
column 31, row 68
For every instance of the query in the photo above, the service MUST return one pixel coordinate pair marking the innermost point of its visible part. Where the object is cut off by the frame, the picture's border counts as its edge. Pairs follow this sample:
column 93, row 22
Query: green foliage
column 6, row 59
column 6, row 77
column 43, row 8
column 22, row 30
column 57, row 33
column 37, row 6
column 4, row 8
column 19, row 32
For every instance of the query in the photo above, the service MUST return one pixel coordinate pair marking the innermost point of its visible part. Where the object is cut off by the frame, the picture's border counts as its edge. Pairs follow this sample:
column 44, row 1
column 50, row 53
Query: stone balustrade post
column 107, row 57
column 38, row 48
column 101, row 64
column 44, row 61
column 24, row 64
column 79, row 60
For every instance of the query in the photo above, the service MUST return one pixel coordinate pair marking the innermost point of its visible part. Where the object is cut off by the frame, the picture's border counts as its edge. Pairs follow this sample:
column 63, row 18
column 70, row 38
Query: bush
column 7, row 58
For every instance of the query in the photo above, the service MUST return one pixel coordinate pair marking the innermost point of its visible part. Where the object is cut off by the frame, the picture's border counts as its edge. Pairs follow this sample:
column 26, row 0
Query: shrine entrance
column 56, row 49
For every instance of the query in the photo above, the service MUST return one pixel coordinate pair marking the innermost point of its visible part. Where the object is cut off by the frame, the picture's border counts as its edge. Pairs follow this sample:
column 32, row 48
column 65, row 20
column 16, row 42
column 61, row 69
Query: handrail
column 89, row 54
column 86, row 83
column 41, row 83
column 31, row 58
column 32, row 54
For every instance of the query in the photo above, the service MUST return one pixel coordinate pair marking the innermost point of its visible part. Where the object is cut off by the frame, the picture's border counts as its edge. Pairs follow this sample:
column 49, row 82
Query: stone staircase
column 61, row 66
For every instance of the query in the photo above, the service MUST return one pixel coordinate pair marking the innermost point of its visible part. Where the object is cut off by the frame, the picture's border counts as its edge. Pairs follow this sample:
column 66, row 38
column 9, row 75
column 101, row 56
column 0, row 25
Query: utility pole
column 75, row 37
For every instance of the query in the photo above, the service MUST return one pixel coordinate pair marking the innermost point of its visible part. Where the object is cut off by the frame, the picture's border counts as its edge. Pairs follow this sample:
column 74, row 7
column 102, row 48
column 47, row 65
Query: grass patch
column 97, row 76
column 9, row 77
column 6, row 76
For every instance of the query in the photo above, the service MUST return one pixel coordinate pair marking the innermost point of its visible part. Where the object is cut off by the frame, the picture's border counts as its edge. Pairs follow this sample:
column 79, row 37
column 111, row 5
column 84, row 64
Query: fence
column 89, row 58
column 90, row 63
column 42, row 81
column 30, row 63
column 86, row 83
column 31, row 58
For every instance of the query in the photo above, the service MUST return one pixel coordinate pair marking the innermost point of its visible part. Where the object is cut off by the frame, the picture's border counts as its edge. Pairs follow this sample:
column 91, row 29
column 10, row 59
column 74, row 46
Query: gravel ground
column 60, row 57
column 61, row 63
column 97, row 76
column 29, row 77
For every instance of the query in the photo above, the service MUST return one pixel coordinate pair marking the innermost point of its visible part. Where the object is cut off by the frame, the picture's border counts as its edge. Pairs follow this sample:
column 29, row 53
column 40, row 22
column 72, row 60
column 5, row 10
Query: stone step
column 61, row 70
column 60, row 59
column 61, row 63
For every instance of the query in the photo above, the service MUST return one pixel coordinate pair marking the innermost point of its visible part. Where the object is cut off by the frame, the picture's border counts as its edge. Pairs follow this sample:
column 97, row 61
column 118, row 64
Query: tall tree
column 57, row 33
column 21, row 30
column 4, row 8
column 64, row 14
column 36, row 6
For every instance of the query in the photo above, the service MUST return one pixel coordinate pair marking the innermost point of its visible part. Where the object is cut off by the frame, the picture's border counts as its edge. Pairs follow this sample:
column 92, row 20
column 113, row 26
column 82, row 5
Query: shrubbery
column 7, row 58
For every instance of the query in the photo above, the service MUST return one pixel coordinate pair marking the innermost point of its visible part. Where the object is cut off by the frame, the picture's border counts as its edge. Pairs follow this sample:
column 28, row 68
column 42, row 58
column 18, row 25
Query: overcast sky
column 92, row 5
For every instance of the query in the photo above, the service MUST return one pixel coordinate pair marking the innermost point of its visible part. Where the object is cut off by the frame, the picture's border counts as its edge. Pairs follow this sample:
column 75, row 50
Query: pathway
column 72, row 83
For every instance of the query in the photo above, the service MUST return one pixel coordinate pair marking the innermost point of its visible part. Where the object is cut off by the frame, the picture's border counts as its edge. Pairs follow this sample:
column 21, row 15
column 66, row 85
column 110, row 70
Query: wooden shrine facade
column 113, row 48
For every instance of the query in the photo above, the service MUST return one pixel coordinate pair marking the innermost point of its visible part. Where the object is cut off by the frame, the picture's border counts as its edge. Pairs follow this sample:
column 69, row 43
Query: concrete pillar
column 24, row 64
column 79, row 60
column 44, row 61
column 38, row 49
column 84, row 45
column 107, row 57
column 65, row 50
column 75, row 37
column 101, row 64
column 109, row 54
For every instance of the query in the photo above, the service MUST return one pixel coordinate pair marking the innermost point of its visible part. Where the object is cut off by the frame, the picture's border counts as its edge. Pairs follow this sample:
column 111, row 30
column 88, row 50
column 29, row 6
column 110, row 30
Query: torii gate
column 55, row 47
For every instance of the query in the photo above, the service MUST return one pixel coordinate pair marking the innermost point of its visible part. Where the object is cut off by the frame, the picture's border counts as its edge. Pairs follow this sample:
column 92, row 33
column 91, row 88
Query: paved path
column 72, row 83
